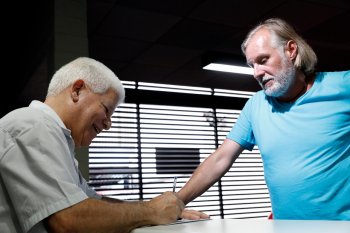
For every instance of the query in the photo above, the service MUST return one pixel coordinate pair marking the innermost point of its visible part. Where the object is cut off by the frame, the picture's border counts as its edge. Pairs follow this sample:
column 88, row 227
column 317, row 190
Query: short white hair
column 96, row 75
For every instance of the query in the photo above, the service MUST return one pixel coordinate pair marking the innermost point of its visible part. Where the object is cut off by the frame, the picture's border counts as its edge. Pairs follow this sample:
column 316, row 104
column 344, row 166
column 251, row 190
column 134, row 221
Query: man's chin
column 86, row 143
column 269, row 93
column 273, row 92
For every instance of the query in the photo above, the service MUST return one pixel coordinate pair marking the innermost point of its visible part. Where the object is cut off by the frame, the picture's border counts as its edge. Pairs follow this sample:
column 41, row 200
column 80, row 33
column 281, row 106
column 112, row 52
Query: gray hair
column 306, row 58
column 96, row 75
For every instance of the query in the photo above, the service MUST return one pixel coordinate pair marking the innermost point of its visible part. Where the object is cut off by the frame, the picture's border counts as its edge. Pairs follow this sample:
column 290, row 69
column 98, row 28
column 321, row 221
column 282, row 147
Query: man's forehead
column 260, row 37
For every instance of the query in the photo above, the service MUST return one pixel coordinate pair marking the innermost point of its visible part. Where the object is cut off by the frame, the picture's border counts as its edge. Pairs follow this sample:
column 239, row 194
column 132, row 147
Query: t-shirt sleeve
column 242, row 132
column 39, row 174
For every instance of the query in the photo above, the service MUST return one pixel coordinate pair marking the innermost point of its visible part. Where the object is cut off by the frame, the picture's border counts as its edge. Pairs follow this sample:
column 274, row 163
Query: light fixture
column 229, row 68
column 225, row 62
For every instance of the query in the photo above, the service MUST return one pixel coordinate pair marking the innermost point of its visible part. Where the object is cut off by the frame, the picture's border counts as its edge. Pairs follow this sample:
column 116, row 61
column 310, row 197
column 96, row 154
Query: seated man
column 41, row 188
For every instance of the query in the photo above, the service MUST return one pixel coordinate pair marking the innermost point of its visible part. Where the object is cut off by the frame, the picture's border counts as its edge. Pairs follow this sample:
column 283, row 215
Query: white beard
column 281, row 81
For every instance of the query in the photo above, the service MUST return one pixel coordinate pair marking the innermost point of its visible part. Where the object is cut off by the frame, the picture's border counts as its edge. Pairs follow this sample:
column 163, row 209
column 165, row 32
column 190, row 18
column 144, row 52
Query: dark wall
column 28, row 45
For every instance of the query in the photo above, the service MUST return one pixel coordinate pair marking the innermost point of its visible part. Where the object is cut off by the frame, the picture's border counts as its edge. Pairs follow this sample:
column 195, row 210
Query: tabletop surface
column 250, row 226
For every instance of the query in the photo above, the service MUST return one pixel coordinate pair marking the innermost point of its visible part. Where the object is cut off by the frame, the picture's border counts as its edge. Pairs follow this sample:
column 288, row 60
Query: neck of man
column 302, row 84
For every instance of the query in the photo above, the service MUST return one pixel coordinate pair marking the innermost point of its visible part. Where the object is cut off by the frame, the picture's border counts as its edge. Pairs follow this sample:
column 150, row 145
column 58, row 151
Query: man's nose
column 258, row 72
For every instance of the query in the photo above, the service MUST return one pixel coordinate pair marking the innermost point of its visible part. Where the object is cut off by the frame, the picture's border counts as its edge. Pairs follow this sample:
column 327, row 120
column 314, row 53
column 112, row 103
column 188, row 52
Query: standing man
column 41, row 189
column 301, row 123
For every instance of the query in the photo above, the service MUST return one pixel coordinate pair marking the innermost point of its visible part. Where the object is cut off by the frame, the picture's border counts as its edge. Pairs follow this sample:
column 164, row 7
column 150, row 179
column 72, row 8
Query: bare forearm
column 210, row 171
column 201, row 180
column 100, row 216
column 93, row 215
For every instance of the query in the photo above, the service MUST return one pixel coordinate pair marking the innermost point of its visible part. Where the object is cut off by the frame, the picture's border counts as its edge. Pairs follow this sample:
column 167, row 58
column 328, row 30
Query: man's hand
column 193, row 215
column 167, row 208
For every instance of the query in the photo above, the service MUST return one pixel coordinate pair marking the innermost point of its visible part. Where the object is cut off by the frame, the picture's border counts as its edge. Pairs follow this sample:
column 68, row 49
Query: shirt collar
column 49, row 111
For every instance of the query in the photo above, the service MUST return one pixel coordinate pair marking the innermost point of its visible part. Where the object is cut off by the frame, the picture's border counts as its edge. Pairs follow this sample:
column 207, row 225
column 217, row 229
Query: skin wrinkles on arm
column 210, row 170
column 91, row 215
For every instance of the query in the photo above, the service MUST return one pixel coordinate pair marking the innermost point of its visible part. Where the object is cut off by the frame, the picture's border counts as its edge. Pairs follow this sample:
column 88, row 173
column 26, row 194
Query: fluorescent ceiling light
column 229, row 68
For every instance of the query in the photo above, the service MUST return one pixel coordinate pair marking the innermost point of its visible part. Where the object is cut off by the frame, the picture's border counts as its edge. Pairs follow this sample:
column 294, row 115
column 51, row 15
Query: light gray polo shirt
column 38, row 172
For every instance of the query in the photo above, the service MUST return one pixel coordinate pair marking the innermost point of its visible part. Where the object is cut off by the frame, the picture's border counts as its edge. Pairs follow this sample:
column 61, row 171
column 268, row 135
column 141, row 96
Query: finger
column 194, row 215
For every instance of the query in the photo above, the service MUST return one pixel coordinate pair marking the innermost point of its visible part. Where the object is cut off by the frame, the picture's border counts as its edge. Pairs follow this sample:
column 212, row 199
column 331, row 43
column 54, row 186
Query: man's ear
column 292, row 49
column 76, row 88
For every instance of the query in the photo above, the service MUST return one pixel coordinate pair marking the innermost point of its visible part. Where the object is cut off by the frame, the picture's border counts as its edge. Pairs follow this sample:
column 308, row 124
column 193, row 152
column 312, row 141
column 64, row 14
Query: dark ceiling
column 166, row 41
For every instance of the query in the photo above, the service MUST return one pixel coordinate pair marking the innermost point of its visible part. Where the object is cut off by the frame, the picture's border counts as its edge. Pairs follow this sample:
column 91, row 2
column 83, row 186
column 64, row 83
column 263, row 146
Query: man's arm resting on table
column 93, row 215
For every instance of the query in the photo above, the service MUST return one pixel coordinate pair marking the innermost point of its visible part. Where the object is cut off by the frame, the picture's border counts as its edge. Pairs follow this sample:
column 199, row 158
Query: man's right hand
column 167, row 208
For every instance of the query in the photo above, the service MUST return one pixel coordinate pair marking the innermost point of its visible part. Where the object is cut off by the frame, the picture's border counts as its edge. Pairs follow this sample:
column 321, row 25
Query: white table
column 250, row 226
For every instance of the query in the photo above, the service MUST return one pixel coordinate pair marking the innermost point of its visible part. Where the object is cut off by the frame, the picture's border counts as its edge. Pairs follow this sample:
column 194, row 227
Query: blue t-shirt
column 305, row 148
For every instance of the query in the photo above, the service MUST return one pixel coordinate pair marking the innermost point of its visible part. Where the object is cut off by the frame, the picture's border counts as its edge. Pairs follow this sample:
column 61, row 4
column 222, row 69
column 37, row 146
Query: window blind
column 130, row 162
